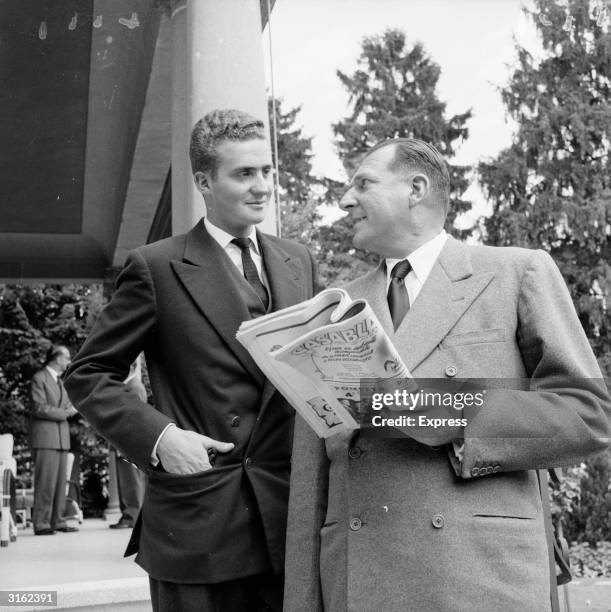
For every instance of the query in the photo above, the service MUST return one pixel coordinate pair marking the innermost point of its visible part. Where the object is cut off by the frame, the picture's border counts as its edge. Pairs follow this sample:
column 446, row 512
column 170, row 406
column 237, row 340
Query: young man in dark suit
column 50, row 442
column 212, row 528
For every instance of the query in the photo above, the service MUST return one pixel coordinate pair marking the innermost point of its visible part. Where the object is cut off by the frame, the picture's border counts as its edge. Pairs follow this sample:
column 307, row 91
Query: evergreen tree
column 298, row 200
column 551, row 188
column 392, row 94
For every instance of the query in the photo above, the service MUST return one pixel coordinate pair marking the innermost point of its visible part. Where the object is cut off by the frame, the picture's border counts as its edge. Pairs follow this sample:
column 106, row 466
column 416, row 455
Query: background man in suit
column 211, row 532
column 451, row 518
column 50, row 442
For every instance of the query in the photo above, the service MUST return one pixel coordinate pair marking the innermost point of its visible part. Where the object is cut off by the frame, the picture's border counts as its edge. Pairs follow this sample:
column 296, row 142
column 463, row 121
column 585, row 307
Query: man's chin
column 360, row 242
column 257, row 219
column 256, row 215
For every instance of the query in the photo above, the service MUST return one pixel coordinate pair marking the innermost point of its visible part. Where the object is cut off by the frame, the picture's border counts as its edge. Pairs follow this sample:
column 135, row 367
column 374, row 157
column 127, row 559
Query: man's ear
column 202, row 182
column 420, row 188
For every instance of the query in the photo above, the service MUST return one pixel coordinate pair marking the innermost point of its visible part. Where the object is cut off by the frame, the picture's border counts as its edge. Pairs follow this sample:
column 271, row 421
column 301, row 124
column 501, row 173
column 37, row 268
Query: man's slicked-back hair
column 215, row 127
column 54, row 351
column 413, row 154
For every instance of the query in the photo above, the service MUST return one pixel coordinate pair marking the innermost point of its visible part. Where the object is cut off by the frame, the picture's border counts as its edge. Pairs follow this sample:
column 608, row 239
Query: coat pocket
column 190, row 503
column 478, row 336
column 519, row 516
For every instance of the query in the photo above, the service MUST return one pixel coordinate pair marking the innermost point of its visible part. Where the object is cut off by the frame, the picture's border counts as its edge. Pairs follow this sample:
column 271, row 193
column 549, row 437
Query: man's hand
column 71, row 410
column 186, row 452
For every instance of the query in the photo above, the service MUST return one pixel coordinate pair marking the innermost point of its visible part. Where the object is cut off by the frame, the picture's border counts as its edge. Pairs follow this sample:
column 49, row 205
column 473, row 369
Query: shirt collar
column 423, row 258
column 53, row 372
column 224, row 238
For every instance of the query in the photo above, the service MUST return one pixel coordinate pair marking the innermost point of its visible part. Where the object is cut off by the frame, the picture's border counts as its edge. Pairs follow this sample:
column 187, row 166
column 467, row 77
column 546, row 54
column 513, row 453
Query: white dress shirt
column 422, row 261
column 234, row 251
column 53, row 373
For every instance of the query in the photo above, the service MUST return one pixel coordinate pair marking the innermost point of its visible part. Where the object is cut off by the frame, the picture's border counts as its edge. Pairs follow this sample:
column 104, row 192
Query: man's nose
column 347, row 201
column 262, row 184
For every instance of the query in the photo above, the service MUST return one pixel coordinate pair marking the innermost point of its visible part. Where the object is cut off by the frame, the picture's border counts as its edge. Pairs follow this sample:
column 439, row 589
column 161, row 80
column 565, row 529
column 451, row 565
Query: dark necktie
column 250, row 270
column 398, row 300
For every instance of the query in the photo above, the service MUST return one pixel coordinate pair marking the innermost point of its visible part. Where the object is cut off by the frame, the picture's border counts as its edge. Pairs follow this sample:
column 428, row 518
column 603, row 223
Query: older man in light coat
column 449, row 519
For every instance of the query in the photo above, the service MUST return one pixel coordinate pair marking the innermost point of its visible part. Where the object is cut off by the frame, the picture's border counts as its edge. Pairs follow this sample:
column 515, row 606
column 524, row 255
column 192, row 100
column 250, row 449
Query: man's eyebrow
column 359, row 175
column 242, row 168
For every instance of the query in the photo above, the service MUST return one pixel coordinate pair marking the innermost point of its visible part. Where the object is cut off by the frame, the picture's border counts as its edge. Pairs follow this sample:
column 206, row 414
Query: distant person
column 130, row 480
column 50, row 442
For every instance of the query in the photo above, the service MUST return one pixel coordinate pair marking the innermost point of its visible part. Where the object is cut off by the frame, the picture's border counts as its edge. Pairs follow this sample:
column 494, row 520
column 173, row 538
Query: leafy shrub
column 590, row 561
column 589, row 517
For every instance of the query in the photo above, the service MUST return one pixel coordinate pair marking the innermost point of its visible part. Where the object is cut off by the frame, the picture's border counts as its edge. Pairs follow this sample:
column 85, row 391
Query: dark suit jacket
column 49, row 403
column 445, row 536
column 178, row 301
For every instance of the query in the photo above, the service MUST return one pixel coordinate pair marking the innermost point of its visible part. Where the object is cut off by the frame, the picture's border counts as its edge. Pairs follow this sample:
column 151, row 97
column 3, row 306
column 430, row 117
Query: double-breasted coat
column 396, row 525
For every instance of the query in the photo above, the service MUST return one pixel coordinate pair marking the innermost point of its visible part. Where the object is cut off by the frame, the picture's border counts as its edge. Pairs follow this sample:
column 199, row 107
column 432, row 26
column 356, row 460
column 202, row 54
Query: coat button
column 355, row 523
column 235, row 422
column 475, row 471
column 451, row 370
column 248, row 462
column 438, row 521
column 355, row 452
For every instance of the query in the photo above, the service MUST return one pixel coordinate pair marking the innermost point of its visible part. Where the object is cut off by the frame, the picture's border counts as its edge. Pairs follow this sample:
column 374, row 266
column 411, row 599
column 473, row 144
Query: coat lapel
column 372, row 287
column 53, row 386
column 284, row 274
column 447, row 293
column 204, row 273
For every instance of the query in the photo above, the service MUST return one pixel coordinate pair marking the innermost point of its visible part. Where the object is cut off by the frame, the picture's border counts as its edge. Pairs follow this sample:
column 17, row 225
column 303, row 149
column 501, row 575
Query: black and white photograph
column 305, row 305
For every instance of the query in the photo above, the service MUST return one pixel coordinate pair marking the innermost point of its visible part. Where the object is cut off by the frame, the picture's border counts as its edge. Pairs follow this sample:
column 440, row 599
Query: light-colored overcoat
column 396, row 525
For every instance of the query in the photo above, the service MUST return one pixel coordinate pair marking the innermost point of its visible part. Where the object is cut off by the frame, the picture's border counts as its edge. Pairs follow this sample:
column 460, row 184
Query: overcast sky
column 472, row 41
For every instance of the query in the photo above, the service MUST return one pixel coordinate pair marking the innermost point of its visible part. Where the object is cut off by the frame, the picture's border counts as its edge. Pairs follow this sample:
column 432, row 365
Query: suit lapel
column 447, row 293
column 284, row 274
column 205, row 273
column 54, row 387
column 285, row 277
column 372, row 287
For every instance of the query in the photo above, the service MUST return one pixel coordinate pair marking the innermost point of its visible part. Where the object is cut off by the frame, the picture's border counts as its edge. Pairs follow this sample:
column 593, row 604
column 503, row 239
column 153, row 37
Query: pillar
column 217, row 60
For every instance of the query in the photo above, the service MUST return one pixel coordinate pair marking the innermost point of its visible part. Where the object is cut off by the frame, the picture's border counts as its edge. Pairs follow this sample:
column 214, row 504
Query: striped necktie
column 250, row 270
column 398, row 299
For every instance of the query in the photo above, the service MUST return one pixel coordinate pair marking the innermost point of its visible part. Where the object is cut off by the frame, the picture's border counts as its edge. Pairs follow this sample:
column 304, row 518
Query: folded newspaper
column 317, row 352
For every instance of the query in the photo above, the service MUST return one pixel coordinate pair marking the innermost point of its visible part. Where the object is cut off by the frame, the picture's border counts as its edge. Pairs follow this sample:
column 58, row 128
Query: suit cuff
column 458, row 446
column 456, row 451
column 154, row 457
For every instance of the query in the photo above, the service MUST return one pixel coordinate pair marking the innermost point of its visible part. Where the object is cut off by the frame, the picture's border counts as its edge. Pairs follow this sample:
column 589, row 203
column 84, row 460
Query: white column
column 217, row 63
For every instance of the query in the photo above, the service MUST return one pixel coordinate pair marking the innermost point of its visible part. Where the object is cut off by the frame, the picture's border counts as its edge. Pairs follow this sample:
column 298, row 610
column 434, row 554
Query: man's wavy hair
column 411, row 155
column 215, row 127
